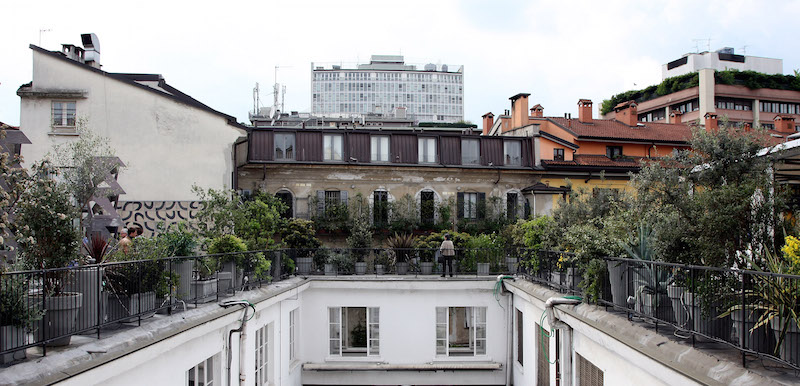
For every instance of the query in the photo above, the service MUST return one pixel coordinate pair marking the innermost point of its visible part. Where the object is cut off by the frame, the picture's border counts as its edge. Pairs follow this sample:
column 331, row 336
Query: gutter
column 566, row 335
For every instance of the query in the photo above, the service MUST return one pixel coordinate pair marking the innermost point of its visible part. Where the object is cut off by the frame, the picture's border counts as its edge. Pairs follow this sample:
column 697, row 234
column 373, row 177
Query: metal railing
column 697, row 303
column 701, row 304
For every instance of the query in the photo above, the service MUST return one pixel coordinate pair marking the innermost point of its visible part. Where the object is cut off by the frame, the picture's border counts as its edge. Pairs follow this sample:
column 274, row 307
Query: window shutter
column 527, row 209
column 320, row 202
column 343, row 195
column 481, row 205
column 460, row 204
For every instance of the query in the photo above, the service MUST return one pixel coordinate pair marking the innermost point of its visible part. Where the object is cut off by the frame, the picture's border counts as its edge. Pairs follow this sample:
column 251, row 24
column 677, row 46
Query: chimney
column 505, row 122
column 785, row 124
column 711, row 122
column 519, row 110
column 92, row 46
column 625, row 112
column 488, row 121
column 676, row 117
column 584, row 111
column 537, row 111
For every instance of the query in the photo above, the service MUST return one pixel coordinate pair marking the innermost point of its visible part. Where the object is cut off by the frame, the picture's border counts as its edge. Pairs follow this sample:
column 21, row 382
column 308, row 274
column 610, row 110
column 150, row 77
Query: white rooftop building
column 722, row 59
column 428, row 93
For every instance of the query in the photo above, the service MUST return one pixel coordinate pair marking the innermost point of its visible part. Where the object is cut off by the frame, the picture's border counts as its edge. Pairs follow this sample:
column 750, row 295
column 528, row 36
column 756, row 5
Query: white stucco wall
column 167, row 146
column 711, row 60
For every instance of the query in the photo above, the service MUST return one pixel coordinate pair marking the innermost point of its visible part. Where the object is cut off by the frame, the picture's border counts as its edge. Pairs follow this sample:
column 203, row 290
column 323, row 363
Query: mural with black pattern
column 147, row 214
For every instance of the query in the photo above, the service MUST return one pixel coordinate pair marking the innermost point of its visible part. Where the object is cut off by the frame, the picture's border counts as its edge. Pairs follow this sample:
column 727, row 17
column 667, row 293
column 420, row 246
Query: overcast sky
column 558, row 51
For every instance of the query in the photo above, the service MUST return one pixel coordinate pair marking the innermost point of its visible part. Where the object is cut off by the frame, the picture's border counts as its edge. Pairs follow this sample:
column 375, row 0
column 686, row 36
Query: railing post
column 742, row 332
column 694, row 295
column 45, row 316
column 171, row 287
column 99, row 300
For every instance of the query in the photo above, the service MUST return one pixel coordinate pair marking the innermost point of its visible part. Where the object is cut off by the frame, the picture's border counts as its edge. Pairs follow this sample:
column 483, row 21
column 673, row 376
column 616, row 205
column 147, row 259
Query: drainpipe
column 242, row 336
column 566, row 336
column 510, row 329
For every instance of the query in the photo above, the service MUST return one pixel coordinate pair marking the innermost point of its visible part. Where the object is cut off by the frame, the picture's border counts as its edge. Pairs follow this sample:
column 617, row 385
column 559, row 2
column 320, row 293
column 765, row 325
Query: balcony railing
column 692, row 302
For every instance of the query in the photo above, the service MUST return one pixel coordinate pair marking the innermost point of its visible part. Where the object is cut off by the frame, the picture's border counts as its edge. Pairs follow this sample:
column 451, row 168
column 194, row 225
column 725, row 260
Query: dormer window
column 613, row 151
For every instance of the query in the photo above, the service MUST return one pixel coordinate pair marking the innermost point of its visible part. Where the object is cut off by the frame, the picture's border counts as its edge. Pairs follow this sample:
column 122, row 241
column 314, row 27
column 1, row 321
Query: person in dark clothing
column 448, row 251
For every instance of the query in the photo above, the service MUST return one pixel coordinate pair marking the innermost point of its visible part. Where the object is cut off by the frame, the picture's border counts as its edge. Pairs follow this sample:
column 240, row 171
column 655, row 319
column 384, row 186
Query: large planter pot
column 760, row 340
column 230, row 278
column 402, row 268
column 361, row 268
column 557, row 278
column 330, row 270
column 379, row 269
column 657, row 305
column 204, row 291
column 304, row 265
column 12, row 337
column 618, row 277
column 707, row 323
column 483, row 268
column 573, row 279
column 60, row 316
column 426, row 267
column 790, row 347
column 89, row 282
column 511, row 264
column 123, row 308
column 679, row 310
column 184, row 270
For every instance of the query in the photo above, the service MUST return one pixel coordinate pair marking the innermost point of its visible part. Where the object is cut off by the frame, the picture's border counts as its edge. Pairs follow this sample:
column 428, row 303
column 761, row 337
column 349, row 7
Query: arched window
column 288, row 199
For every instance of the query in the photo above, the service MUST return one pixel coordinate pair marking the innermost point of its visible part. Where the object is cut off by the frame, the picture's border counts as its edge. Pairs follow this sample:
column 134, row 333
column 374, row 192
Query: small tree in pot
column 47, row 239
column 16, row 316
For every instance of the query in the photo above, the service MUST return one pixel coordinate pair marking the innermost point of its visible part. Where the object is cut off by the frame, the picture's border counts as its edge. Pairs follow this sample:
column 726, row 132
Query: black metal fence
column 752, row 311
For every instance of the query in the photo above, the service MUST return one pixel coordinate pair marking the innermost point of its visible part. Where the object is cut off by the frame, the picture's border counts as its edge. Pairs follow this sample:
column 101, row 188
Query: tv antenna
column 277, row 91
column 41, row 31
column 697, row 44
column 744, row 49
column 256, row 99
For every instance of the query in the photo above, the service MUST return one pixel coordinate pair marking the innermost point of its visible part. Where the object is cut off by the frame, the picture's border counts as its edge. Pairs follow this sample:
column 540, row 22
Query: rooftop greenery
column 749, row 79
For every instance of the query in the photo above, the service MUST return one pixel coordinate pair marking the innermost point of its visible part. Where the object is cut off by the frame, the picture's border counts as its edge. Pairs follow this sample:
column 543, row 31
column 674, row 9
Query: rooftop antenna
column 744, row 50
column 256, row 99
column 40, row 35
column 697, row 44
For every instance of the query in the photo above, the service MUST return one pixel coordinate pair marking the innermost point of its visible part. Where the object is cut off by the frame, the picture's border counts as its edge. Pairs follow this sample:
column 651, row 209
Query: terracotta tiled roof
column 613, row 129
column 591, row 160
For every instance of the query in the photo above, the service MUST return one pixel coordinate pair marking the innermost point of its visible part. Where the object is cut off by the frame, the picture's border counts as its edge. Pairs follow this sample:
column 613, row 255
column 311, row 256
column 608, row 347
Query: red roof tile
column 613, row 129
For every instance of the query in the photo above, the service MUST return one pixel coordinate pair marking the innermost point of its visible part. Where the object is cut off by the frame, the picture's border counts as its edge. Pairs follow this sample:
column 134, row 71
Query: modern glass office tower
column 388, row 86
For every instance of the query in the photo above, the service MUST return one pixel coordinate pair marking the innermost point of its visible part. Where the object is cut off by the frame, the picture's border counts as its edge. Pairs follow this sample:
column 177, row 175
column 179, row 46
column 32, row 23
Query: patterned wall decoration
column 147, row 214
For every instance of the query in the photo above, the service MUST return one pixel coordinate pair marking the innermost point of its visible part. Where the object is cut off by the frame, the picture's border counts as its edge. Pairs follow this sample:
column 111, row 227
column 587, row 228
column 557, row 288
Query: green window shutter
column 481, row 205
column 460, row 204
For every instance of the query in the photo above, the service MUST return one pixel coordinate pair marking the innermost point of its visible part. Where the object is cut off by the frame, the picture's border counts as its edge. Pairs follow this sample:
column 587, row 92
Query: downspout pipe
column 566, row 335
column 242, row 337
column 510, row 337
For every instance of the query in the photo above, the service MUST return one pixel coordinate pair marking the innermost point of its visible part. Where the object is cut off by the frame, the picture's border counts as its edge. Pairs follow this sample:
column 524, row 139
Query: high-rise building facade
column 434, row 93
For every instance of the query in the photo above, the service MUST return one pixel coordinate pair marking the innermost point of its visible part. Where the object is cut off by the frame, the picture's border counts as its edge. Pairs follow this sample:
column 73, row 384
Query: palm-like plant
column 402, row 245
column 652, row 279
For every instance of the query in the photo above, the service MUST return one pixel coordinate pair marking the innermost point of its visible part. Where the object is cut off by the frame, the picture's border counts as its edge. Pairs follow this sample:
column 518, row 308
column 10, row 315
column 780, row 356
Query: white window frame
column 332, row 147
column 507, row 158
column 293, row 343
column 379, row 148
column 204, row 373
column 337, row 327
column 283, row 146
column 426, row 150
column 264, row 366
column 477, row 316
column 64, row 112
column 477, row 143
column 470, row 205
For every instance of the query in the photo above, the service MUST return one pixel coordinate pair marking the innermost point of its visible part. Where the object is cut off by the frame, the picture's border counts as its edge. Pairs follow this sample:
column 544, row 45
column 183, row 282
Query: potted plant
column 401, row 246
column 299, row 235
column 134, row 280
column 383, row 261
column 204, row 286
column 649, row 280
column 48, row 241
column 230, row 250
column 16, row 316
column 339, row 263
column 87, row 279
column 359, row 242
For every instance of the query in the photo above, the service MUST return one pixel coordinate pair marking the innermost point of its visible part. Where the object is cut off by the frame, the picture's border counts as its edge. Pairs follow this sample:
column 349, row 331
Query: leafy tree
column 85, row 163
column 255, row 220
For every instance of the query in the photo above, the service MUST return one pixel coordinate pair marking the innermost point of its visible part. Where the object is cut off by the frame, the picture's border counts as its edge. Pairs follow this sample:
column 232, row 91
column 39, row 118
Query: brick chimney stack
column 676, row 116
column 625, row 112
column 785, row 124
column 505, row 122
column 519, row 110
column 585, row 111
column 537, row 111
column 711, row 122
column 488, row 122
